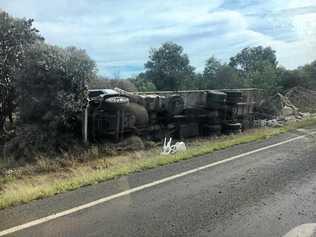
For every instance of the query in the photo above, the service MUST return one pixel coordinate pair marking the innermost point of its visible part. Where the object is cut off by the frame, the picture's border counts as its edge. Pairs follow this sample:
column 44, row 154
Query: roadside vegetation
column 48, row 177
column 43, row 88
column 43, row 91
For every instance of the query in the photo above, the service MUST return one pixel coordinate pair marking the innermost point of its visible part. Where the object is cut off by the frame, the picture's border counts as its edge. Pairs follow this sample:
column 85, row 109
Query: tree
column 123, row 84
column 291, row 78
column 169, row 68
column 52, row 87
column 309, row 75
column 16, row 37
column 142, row 84
column 257, row 66
column 211, row 67
column 105, row 83
column 199, row 82
column 253, row 59
column 220, row 76
column 268, row 78
column 209, row 74
column 227, row 78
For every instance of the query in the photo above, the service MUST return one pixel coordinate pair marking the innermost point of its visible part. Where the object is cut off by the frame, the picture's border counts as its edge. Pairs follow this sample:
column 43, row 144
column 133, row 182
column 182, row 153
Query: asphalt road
column 266, row 193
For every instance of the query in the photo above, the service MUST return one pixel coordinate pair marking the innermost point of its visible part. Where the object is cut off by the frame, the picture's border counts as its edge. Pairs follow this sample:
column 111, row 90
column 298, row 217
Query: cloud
column 119, row 34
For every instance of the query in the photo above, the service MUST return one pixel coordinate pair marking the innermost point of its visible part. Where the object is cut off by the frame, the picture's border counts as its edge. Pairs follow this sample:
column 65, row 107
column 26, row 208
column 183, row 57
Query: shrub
column 52, row 93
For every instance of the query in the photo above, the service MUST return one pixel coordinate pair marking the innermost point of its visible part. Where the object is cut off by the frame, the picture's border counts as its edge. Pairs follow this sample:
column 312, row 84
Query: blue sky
column 119, row 34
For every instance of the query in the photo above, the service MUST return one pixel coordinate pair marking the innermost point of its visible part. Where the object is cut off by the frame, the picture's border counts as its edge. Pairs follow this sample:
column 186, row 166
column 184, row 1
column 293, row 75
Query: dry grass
column 47, row 177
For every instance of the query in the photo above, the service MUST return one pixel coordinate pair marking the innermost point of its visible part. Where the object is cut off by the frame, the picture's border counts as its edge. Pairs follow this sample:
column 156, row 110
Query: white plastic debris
column 180, row 146
column 273, row 123
column 168, row 149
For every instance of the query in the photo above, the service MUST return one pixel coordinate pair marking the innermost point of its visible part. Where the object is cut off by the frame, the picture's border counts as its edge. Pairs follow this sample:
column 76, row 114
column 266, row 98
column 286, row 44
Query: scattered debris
column 277, row 110
column 277, row 106
column 273, row 123
column 304, row 99
column 180, row 147
column 168, row 149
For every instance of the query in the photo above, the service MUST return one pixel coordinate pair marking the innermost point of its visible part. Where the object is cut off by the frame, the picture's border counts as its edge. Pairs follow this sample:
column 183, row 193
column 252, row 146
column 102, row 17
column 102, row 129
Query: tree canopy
column 209, row 74
column 48, row 84
column 52, row 85
column 211, row 67
column 16, row 37
column 308, row 73
column 142, row 84
column 102, row 82
column 169, row 68
column 227, row 77
column 254, row 59
column 257, row 67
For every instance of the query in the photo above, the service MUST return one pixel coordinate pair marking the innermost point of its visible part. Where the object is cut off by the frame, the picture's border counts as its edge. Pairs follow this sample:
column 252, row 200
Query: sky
column 119, row 34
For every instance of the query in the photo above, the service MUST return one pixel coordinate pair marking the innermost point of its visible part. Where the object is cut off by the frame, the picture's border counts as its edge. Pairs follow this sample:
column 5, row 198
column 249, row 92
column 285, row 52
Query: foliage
column 207, row 79
column 104, row 83
column 52, row 88
column 254, row 59
column 227, row 77
column 309, row 74
column 219, row 76
column 199, row 82
column 169, row 68
column 22, row 189
column 302, row 76
column 257, row 66
column 142, row 84
column 290, row 78
column 51, row 81
column 267, row 78
column 211, row 68
column 16, row 36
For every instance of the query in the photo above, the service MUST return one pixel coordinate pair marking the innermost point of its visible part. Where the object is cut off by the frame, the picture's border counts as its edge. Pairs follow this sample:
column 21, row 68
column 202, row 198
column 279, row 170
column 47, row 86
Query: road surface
column 263, row 188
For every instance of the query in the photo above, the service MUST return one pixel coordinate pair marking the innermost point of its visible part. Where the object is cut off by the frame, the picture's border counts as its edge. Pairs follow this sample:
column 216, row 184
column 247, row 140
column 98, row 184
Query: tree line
column 168, row 68
column 46, row 85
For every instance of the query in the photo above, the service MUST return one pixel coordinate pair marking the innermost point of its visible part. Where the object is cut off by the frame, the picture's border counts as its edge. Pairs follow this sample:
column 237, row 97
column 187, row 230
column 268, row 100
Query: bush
column 104, row 83
column 52, row 93
column 16, row 36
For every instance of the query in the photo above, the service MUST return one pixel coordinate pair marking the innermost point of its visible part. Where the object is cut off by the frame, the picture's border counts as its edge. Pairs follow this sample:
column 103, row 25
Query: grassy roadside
column 16, row 189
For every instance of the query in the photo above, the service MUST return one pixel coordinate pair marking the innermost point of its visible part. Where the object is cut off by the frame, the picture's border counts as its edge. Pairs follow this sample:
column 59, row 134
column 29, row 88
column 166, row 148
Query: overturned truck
column 116, row 114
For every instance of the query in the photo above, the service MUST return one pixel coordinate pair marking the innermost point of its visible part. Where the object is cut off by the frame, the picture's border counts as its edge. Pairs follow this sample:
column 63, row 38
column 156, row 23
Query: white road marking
column 139, row 188
column 305, row 230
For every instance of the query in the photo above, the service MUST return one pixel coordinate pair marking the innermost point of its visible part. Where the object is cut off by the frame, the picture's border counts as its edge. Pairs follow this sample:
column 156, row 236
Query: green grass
column 36, row 186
